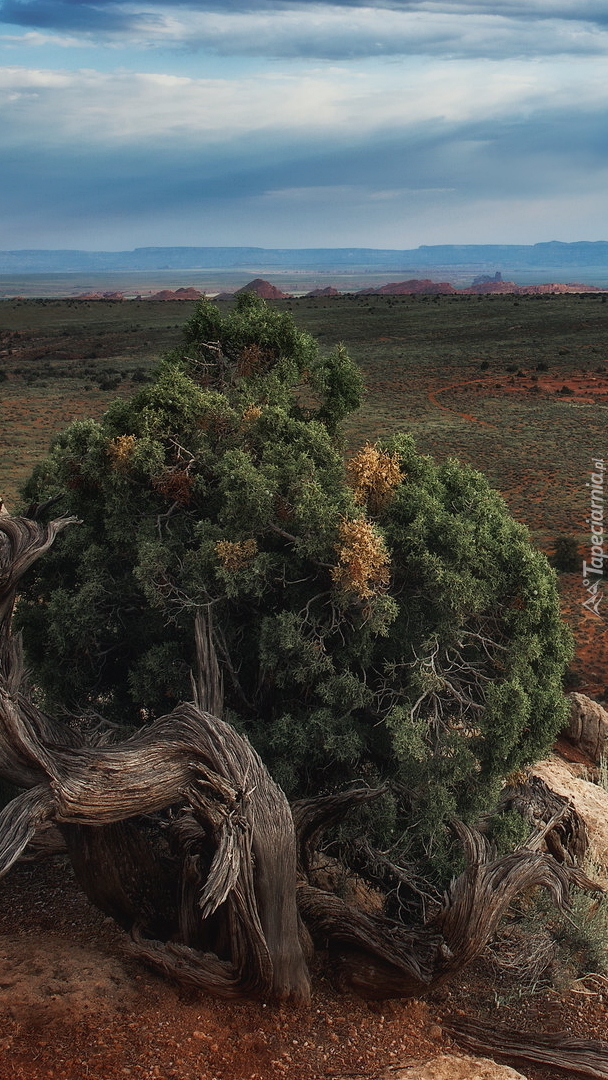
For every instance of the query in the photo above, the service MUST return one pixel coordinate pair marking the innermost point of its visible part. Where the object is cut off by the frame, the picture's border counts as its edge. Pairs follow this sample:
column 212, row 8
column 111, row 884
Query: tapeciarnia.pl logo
column 593, row 571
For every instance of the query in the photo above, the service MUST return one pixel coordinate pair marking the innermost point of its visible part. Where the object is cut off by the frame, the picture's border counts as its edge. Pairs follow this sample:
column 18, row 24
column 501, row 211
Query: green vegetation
column 382, row 618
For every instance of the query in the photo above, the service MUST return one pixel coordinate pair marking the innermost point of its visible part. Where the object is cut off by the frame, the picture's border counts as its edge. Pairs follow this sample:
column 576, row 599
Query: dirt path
column 432, row 396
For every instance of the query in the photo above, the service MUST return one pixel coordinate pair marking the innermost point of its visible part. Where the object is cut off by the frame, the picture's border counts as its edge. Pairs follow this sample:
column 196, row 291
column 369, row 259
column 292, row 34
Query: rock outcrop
column 450, row 1067
column 497, row 286
column 99, row 296
column 588, row 727
column 177, row 294
column 413, row 286
column 264, row 289
column 589, row 800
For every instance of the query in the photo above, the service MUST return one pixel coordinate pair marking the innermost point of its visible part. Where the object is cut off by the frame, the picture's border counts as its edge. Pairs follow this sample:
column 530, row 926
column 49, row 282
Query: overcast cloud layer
column 280, row 124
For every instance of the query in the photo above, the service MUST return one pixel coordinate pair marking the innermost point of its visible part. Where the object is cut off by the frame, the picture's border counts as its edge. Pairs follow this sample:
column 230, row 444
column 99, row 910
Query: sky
column 387, row 123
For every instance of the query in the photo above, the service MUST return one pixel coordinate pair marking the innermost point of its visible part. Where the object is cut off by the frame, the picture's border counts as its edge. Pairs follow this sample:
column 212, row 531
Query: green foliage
column 388, row 621
column 508, row 830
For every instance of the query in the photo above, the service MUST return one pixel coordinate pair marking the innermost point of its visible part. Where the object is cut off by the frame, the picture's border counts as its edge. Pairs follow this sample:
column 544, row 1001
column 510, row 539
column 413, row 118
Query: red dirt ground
column 579, row 389
column 74, row 1005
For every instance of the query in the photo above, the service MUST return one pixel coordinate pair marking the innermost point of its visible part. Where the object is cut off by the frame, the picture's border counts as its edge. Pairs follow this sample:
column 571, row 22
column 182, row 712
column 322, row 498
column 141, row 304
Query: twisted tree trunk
column 180, row 834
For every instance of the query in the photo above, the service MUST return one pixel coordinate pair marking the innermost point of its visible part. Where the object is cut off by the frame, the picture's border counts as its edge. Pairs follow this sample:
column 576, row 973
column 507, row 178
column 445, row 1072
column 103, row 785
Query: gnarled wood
column 576, row 1057
column 187, row 760
column 312, row 817
column 182, row 836
column 567, row 840
column 379, row 957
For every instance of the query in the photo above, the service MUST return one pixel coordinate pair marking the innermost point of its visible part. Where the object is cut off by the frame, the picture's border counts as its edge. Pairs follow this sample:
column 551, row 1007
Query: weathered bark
column 380, row 957
column 182, row 836
column 312, row 817
column 195, row 761
column 568, row 839
column 193, row 764
column 576, row 1057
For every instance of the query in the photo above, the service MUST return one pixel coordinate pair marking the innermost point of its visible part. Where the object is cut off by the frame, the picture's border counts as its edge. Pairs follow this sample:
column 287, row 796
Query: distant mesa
column 486, row 279
column 178, row 294
column 413, row 286
column 327, row 291
column 483, row 284
column 264, row 289
column 558, row 287
column 493, row 286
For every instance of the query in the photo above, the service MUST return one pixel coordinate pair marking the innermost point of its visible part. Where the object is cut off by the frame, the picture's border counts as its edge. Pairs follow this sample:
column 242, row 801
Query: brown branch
column 574, row 1056
column 313, row 816
column 207, row 683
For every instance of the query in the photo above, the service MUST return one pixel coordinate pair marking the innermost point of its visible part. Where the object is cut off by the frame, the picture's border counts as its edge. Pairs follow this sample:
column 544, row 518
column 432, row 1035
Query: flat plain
column 517, row 386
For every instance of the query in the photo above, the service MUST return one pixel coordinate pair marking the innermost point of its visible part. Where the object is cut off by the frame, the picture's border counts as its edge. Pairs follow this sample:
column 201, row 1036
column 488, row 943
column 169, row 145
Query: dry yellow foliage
column 373, row 474
column 251, row 414
column 363, row 562
column 120, row 451
column 235, row 554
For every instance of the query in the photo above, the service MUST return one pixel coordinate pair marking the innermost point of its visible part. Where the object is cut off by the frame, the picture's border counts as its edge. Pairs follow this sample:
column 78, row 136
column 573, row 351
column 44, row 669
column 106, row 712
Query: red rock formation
column 264, row 289
column 529, row 290
column 179, row 294
column 327, row 291
column 414, row 285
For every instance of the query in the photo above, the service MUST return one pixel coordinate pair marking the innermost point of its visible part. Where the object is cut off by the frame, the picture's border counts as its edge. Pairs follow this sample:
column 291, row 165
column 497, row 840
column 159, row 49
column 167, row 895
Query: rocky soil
column 75, row 1005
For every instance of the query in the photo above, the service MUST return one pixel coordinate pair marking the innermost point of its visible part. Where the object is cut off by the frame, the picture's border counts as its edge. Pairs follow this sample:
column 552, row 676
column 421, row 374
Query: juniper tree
column 376, row 616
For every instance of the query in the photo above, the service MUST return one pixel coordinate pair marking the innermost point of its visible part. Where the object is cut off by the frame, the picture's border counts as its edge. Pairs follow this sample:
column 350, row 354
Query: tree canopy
column 376, row 617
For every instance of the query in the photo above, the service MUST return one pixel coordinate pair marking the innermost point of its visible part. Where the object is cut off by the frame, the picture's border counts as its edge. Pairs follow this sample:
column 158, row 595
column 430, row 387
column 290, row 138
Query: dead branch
column 576, row 1057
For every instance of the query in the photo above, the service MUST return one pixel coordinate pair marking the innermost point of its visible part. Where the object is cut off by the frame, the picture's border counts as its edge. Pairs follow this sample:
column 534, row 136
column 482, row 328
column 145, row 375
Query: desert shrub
column 383, row 619
column 565, row 557
column 108, row 382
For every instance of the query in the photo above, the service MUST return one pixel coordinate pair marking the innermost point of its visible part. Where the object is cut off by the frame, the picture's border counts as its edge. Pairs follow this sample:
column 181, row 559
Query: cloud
column 335, row 33
column 38, row 40
column 481, row 175
column 121, row 108
column 334, row 30
column 340, row 142
column 107, row 16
